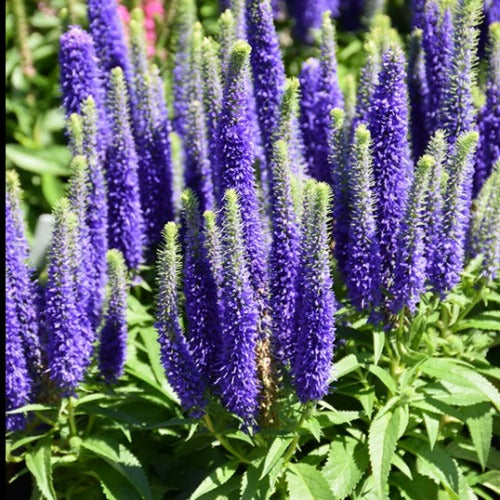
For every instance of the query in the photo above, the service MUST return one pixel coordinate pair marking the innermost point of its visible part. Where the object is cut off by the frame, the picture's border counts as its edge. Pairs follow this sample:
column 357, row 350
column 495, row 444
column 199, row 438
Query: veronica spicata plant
column 260, row 286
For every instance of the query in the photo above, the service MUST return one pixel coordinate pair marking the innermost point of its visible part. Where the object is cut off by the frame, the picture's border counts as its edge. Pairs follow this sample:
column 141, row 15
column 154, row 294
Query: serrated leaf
column 122, row 460
column 490, row 479
column 485, row 321
column 384, row 377
column 479, row 420
column 431, row 422
column 276, row 451
column 382, row 439
column 444, row 369
column 215, row 479
column 451, row 394
column 400, row 464
column 346, row 365
column 346, row 464
column 312, row 426
column 435, row 464
column 378, row 345
column 31, row 407
column 38, row 463
column 329, row 418
column 418, row 488
column 305, row 482
column 112, row 483
column 367, row 399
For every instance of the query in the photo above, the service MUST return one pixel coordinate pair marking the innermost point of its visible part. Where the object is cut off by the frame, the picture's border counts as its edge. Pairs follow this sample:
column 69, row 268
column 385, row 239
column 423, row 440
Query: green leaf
column 38, row 463
column 384, row 377
column 435, row 464
column 378, row 345
column 346, row 464
column 485, row 321
column 346, row 365
column 52, row 188
column 312, row 426
column 479, row 420
column 31, row 407
column 112, row 483
column 490, row 479
column 382, row 439
column 431, row 422
column 122, row 460
column 329, row 418
column 444, row 369
column 215, row 479
column 367, row 398
column 305, row 482
column 150, row 338
column 50, row 160
column 276, row 451
column 399, row 463
column 418, row 488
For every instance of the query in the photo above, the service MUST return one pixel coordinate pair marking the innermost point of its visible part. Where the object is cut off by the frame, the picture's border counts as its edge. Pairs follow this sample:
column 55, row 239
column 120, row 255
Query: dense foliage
column 257, row 286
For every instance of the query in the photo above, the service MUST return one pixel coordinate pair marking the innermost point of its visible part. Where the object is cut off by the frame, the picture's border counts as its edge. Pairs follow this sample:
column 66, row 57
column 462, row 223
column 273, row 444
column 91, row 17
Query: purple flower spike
column 437, row 43
column 418, row 94
column 239, row 317
column 388, row 126
column 212, row 95
column 309, row 86
column 458, row 109
column 81, row 79
column 181, row 73
column 284, row 252
column 125, row 231
column 433, row 211
column 289, row 128
column 489, row 118
column 113, row 335
column 180, row 367
column 484, row 237
column 363, row 253
column 68, row 343
column 18, row 383
column 239, row 10
column 417, row 13
column 78, row 198
column 268, row 70
column 409, row 273
column 97, row 208
column 329, row 97
column 109, row 38
column 80, row 76
column 212, row 243
column 315, row 326
column 198, row 168
column 308, row 15
column 367, row 83
column 456, row 212
column 151, row 128
column 22, row 289
column 199, row 287
column 236, row 155
column 339, row 175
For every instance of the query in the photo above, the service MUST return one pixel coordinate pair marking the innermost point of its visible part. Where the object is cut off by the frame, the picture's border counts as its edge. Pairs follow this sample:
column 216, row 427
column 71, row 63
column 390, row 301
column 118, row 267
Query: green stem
column 223, row 441
column 89, row 425
column 293, row 445
column 71, row 416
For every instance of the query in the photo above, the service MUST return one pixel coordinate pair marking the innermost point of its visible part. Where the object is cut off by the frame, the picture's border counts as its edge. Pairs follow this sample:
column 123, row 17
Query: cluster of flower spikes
column 256, row 226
